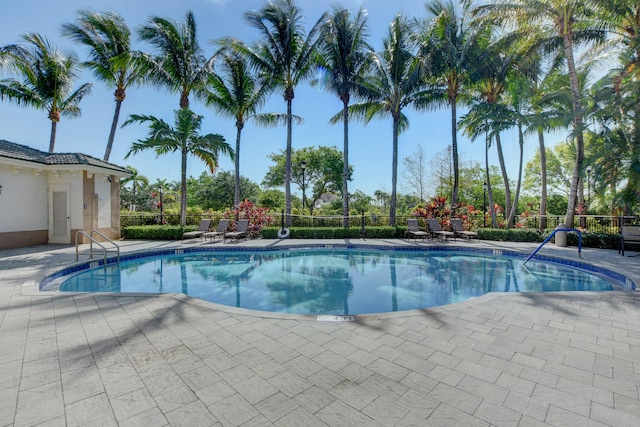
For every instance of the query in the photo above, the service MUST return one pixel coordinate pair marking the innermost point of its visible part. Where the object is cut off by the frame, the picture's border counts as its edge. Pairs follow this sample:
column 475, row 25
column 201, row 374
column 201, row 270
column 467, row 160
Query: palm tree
column 345, row 57
column 48, row 76
column 137, row 181
column 110, row 56
column 185, row 138
column 239, row 94
column 450, row 44
column 396, row 81
column 557, row 24
column 285, row 57
column 180, row 64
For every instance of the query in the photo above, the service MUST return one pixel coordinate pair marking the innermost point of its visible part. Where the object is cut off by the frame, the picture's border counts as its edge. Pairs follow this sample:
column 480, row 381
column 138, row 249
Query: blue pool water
column 333, row 281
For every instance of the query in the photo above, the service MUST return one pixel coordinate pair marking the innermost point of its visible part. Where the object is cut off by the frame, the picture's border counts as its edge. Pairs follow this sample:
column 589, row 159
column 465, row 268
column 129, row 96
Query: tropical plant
column 180, row 64
column 344, row 56
column 448, row 43
column 284, row 56
column 184, row 138
column 238, row 94
column 259, row 217
column 396, row 82
column 137, row 182
column 110, row 56
column 49, row 76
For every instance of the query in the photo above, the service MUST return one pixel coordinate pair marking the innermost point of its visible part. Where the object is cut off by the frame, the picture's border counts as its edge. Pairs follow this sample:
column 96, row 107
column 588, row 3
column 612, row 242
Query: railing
column 92, row 241
column 553, row 234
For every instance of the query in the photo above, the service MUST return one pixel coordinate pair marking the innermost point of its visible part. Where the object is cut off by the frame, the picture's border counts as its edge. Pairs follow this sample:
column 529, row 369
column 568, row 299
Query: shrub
column 511, row 235
column 156, row 232
column 258, row 217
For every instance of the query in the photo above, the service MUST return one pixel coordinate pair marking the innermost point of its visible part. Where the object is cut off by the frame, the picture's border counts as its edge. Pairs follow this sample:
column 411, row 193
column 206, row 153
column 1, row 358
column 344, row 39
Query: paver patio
column 559, row 359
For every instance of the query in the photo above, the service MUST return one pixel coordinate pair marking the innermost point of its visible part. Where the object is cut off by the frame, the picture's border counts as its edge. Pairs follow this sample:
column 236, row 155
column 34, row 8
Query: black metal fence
column 590, row 223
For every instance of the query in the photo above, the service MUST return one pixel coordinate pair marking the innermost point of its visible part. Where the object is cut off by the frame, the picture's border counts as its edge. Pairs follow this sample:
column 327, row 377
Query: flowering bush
column 258, row 217
column 438, row 208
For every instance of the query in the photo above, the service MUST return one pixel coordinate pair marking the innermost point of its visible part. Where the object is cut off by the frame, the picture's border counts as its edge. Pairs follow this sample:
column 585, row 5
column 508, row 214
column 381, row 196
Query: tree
column 48, row 76
column 137, row 182
column 185, row 138
column 345, row 58
column 110, row 56
column 415, row 174
column 323, row 172
column 396, row 82
column 556, row 24
column 180, row 64
column 448, row 43
column 239, row 94
column 216, row 192
column 285, row 57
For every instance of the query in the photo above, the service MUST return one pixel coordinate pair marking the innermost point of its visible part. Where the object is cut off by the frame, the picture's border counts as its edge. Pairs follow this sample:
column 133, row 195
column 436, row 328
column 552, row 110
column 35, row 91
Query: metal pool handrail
column 553, row 234
column 92, row 241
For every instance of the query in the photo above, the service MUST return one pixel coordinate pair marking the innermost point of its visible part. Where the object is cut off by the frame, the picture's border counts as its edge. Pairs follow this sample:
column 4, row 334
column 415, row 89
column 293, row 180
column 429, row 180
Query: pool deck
column 560, row 359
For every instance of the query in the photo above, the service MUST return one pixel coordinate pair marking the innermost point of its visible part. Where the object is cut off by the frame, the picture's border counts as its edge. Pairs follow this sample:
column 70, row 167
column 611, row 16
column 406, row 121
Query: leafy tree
column 345, row 58
column 272, row 199
column 238, row 94
column 216, row 192
column 180, row 64
column 137, row 182
column 396, row 82
column 184, row 138
column 285, row 57
column 323, row 172
column 48, row 76
column 110, row 56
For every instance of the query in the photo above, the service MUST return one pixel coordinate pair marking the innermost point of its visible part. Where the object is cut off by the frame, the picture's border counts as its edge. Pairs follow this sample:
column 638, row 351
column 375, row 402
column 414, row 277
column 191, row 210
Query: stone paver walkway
column 563, row 359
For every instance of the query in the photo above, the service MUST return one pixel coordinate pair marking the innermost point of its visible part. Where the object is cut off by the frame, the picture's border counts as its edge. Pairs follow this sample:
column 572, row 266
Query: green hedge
column 156, row 232
column 335, row 232
column 595, row 240
column 511, row 235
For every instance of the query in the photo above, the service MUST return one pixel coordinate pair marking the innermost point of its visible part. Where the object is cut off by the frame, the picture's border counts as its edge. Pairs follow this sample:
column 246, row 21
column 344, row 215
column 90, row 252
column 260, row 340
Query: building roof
column 12, row 150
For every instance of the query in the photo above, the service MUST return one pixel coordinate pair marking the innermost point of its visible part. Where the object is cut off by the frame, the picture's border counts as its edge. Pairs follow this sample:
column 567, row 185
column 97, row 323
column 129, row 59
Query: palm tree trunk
column 287, row 174
column 454, row 151
column 52, row 140
column 112, row 133
column 236, row 195
column 394, row 172
column 543, row 178
column 577, row 126
column 183, row 189
column 487, row 179
column 345, row 169
column 505, row 177
column 514, row 207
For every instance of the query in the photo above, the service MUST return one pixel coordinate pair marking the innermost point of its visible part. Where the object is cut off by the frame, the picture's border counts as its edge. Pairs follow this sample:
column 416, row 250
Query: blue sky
column 370, row 145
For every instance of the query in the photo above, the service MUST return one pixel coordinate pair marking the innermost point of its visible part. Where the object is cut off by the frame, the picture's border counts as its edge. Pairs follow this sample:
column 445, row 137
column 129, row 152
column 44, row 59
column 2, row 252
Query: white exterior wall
column 21, row 202
column 103, row 191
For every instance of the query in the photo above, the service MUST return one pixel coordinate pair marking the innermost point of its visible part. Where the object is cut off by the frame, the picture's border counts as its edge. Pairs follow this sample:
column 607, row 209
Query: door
column 59, row 214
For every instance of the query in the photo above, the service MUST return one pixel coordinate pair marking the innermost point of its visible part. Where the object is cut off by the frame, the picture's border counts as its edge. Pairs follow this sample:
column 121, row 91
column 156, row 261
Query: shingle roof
column 12, row 150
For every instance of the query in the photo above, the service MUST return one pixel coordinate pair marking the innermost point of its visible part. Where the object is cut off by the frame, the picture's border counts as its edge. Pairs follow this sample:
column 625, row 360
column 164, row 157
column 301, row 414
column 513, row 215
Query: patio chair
column 414, row 229
column 436, row 229
column 458, row 229
column 202, row 228
column 241, row 230
column 223, row 224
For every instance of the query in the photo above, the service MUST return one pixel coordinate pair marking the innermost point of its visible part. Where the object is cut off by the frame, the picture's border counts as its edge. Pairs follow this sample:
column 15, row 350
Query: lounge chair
column 202, row 228
column 459, row 230
column 436, row 229
column 223, row 224
column 241, row 230
column 414, row 229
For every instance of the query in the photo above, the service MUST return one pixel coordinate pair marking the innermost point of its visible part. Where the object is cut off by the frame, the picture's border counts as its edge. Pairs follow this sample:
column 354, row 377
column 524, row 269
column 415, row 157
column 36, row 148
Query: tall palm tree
column 185, row 138
column 396, row 82
column 137, row 181
column 48, row 76
column 450, row 43
column 284, row 55
column 110, row 56
column 557, row 24
column 180, row 64
column 238, row 94
column 345, row 57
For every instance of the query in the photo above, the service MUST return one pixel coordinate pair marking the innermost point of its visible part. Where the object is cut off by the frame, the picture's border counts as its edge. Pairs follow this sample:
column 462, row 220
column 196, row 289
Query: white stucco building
column 48, row 198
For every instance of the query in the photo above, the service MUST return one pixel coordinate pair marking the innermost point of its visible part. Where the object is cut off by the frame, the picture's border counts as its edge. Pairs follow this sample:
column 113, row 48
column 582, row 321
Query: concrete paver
column 498, row 360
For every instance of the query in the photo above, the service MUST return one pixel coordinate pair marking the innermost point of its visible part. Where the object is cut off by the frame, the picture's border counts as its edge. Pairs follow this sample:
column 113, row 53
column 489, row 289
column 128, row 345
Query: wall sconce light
column 0, row 189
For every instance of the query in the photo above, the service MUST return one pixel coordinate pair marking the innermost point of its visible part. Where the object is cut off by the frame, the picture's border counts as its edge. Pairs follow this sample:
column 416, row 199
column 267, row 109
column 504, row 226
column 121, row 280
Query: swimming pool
column 336, row 280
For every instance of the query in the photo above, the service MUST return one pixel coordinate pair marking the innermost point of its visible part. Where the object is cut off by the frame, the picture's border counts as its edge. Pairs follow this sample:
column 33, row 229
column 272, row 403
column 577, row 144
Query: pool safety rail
column 553, row 234
column 92, row 241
